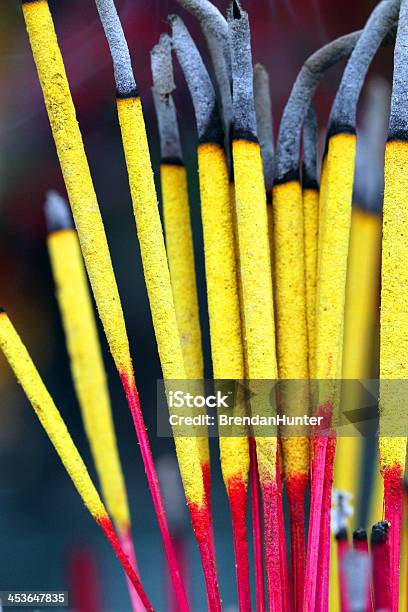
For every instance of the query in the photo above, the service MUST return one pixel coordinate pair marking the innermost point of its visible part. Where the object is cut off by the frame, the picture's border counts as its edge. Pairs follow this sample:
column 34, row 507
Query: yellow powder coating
column 157, row 276
column 394, row 305
column 77, row 177
column 311, row 230
column 290, row 305
column 150, row 235
column 256, row 282
column 222, row 291
column 360, row 323
column 180, row 253
column 87, row 369
column 334, row 233
column 44, row 407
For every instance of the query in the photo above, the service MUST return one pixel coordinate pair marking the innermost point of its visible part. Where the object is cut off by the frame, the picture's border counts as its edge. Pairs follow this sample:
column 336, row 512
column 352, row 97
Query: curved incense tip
column 297, row 106
column 380, row 22
column 244, row 119
column 359, row 535
column 369, row 174
column 341, row 510
column 264, row 122
column 398, row 127
column 163, row 85
column 57, row 212
column 215, row 30
column 379, row 533
column 122, row 65
column 208, row 15
column 309, row 176
column 199, row 83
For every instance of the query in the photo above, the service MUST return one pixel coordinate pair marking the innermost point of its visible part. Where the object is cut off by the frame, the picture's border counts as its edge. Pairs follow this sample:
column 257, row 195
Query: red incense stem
column 318, row 468
column 317, row 485
column 272, row 537
column 282, row 541
column 343, row 549
column 202, row 531
column 106, row 525
column 257, row 527
column 237, row 495
column 393, row 514
column 126, row 542
column 360, row 545
column 323, row 575
column 381, row 565
column 295, row 489
column 134, row 406
column 206, row 472
column 181, row 552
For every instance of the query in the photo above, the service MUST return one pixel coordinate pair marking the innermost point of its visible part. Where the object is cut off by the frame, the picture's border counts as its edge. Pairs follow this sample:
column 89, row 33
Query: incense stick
column 157, row 274
column 44, row 407
column 177, row 225
column 393, row 340
column 91, row 234
column 335, row 222
column 254, row 257
column 87, row 366
column 222, row 282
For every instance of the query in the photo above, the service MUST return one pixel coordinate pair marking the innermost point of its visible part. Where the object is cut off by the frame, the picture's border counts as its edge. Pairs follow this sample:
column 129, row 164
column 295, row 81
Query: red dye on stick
column 323, row 574
column 257, row 527
column 126, row 542
column 282, row 541
column 106, row 525
column 381, row 565
column 343, row 549
column 237, row 495
column 272, row 535
column 318, row 468
column 360, row 545
column 295, row 490
column 393, row 514
column 151, row 474
column 202, row 531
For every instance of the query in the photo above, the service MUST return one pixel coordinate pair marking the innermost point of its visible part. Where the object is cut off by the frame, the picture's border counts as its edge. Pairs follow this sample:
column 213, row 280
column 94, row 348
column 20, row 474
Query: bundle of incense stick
column 292, row 275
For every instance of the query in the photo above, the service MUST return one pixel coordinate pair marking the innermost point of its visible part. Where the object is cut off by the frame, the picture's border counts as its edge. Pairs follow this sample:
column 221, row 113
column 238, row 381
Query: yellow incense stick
column 44, row 407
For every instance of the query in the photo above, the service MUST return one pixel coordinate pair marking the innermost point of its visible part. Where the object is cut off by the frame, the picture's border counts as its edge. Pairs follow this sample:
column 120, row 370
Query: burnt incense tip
column 2, row 309
column 379, row 533
column 209, row 126
column 57, row 212
column 162, row 67
column 264, row 122
column 359, row 535
column 341, row 535
column 309, row 161
column 118, row 47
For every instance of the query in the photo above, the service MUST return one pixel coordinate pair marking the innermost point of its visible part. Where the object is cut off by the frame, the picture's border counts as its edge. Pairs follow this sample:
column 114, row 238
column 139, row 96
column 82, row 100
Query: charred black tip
column 236, row 9
column 360, row 535
column 379, row 533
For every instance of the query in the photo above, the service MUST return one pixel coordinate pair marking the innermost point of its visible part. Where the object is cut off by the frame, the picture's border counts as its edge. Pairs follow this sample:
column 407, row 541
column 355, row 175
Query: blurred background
column 47, row 537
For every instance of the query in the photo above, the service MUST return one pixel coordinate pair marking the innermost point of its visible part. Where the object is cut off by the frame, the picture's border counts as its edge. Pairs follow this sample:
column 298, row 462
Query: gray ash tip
column 122, row 65
column 398, row 128
column 210, row 18
column 57, row 212
column 244, row 119
column 309, row 174
column 264, row 122
column 162, row 67
column 379, row 533
column 201, row 89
